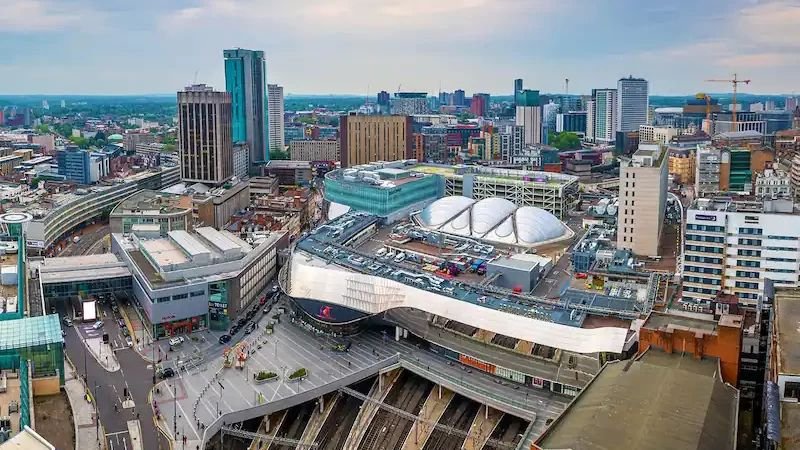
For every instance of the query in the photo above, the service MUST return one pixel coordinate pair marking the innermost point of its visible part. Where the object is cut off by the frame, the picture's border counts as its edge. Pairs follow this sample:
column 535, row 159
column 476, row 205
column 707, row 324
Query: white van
column 176, row 341
column 381, row 251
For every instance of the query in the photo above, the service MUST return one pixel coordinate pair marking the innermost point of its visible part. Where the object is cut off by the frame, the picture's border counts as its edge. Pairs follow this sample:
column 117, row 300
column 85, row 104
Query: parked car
column 224, row 339
column 129, row 341
column 97, row 325
column 581, row 275
column 167, row 373
column 176, row 341
column 121, row 323
column 250, row 328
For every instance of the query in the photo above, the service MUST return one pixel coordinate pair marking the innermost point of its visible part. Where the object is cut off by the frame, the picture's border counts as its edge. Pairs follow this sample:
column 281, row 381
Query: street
column 134, row 376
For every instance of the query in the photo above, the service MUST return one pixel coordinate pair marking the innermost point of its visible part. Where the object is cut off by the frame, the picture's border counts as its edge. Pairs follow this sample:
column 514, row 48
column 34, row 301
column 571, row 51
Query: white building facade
column 732, row 246
column 275, row 116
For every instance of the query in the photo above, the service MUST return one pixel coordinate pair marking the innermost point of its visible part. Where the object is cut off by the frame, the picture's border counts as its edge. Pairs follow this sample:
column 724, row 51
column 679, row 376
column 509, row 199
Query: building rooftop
column 27, row 439
column 787, row 314
column 153, row 203
column 742, row 204
column 30, row 332
column 659, row 400
column 661, row 321
column 749, row 134
column 510, row 175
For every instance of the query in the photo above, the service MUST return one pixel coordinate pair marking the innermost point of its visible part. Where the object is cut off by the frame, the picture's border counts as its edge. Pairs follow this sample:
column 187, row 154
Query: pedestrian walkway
column 141, row 337
column 84, row 414
column 102, row 352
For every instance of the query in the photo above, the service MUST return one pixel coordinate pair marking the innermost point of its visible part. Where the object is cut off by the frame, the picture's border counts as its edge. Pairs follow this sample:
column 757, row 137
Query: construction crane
column 735, row 81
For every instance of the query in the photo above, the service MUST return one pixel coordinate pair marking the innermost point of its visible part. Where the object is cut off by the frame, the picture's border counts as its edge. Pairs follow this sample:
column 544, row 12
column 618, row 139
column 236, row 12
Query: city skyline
column 154, row 47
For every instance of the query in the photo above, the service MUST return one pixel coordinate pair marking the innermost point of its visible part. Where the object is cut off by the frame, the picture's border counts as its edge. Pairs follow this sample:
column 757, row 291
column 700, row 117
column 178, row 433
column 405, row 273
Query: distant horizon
column 351, row 95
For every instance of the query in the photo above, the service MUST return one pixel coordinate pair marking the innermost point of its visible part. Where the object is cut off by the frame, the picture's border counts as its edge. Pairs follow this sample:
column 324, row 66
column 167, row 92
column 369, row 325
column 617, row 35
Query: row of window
column 711, row 228
column 702, row 280
column 747, row 295
column 701, row 238
column 744, row 252
column 704, row 270
column 703, row 259
column 780, row 270
column 755, row 231
column 180, row 296
column 704, row 249
column 699, row 290
column 748, row 263
column 783, row 238
column 792, row 260
column 746, row 274
column 754, row 242
column 746, row 285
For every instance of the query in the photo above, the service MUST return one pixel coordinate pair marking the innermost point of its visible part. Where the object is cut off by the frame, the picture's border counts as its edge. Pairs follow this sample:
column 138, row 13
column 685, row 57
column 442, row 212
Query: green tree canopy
column 278, row 154
column 565, row 140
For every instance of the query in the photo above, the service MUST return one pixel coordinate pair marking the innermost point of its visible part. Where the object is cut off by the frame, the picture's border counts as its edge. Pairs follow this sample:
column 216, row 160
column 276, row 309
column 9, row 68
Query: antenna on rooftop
column 566, row 86
column 195, row 77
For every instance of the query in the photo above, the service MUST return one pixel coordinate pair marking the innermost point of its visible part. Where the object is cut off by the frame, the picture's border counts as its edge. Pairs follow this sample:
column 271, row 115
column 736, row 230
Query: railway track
column 508, row 430
column 339, row 423
column 294, row 429
column 459, row 415
column 388, row 431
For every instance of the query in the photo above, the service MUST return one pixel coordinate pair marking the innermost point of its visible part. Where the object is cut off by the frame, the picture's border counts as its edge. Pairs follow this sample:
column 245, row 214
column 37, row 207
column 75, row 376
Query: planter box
column 267, row 380
column 294, row 380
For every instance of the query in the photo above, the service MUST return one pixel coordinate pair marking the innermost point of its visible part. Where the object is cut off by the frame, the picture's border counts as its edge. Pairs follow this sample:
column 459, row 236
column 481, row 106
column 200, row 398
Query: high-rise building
column 408, row 103
column 275, row 114
column 82, row 166
column 480, row 105
column 241, row 160
column 632, row 103
column 605, row 118
column 459, row 98
column 572, row 121
column 792, row 103
column 549, row 112
column 246, row 81
column 365, row 139
column 383, row 102
column 642, row 200
column 732, row 246
column 204, row 135
column 591, row 113
column 517, row 89
column 529, row 116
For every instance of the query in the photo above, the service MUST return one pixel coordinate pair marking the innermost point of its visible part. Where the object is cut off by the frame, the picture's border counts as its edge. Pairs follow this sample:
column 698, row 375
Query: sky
column 364, row 46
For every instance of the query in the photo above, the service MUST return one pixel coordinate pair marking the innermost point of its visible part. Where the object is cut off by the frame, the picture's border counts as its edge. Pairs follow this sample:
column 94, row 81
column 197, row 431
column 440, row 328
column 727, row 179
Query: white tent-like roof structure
column 493, row 219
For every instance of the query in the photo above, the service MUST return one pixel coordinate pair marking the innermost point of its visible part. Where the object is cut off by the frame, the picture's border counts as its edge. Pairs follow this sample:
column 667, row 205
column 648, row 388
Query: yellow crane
column 735, row 81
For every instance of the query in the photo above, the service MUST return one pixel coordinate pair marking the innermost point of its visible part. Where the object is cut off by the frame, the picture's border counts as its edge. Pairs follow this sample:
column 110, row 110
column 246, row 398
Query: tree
column 42, row 129
column 565, row 140
column 278, row 154
column 79, row 141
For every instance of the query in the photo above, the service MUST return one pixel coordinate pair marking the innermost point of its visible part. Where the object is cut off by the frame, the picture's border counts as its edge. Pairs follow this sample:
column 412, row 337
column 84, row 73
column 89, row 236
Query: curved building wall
column 313, row 279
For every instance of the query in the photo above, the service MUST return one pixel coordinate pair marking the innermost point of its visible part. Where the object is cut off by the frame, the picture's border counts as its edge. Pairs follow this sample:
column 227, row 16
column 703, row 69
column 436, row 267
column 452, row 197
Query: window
column 792, row 390
column 756, row 231
column 754, row 242
column 180, row 296
column 198, row 293
column 162, row 299
column 783, row 238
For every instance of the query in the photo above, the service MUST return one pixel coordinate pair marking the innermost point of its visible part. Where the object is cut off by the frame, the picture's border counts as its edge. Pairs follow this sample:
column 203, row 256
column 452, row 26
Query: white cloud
column 40, row 15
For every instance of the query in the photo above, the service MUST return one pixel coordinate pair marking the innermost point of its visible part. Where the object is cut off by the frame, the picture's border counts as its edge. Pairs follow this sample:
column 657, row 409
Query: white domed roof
column 537, row 225
column 444, row 209
column 493, row 219
column 489, row 212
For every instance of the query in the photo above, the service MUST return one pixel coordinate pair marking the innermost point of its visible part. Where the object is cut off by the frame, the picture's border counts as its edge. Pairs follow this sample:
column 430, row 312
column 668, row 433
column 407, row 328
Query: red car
column 263, row 300
column 581, row 275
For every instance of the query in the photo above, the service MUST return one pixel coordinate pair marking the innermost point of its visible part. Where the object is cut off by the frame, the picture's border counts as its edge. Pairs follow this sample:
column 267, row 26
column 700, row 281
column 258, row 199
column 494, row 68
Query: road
column 134, row 375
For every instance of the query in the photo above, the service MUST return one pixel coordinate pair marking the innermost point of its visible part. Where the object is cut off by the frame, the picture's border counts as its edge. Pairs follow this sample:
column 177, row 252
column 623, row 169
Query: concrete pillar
column 440, row 391
column 486, row 412
column 405, row 333
column 380, row 382
column 397, row 333
column 266, row 424
column 321, row 404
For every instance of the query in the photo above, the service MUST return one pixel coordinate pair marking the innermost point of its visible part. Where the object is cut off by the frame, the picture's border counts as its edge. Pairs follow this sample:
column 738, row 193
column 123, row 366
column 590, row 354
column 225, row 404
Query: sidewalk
column 139, row 333
column 83, row 412
column 103, row 353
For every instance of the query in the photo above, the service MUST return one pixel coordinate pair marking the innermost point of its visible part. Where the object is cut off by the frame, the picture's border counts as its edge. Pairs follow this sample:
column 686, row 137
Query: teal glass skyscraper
column 246, row 80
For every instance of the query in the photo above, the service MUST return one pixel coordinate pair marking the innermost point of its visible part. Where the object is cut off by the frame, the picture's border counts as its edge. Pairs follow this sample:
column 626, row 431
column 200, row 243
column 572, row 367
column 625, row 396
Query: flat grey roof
column 218, row 239
column 787, row 315
column 658, row 320
column 660, row 400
